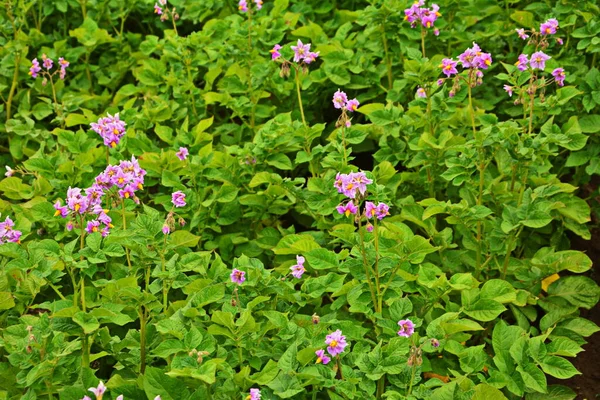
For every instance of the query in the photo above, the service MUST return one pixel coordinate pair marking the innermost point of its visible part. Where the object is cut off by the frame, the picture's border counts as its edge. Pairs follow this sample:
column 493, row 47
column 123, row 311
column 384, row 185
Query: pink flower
column 9, row 171
column 559, row 76
column 407, row 328
column 300, row 51
column 522, row 63
column 352, row 105
column 311, row 56
column 157, row 9
column 110, row 128
column 259, row 5
column 370, row 227
column 178, row 199
column 448, row 67
column 182, row 154
column 509, row 90
column 69, row 226
column 98, row 391
column 254, row 394
column 35, row 68
column 370, row 209
column 421, row 93
column 336, row 343
column 382, row 211
column 435, row 343
column 347, row 209
column 322, row 357
column 522, row 34
column 339, row 99
column 47, row 62
column 63, row 67
column 63, row 211
column 275, row 54
column 243, row 6
column 238, row 276
column 549, row 27
column 8, row 233
column 538, row 60
column 166, row 229
column 298, row 269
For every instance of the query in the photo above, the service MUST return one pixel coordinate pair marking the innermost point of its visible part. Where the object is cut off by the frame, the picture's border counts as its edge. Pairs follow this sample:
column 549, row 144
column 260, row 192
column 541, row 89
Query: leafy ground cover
column 332, row 199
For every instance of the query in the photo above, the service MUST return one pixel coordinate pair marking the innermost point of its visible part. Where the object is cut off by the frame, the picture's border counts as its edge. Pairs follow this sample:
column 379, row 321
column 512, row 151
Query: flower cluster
column 302, row 56
column 48, row 63
column 424, row 15
column 298, row 269
column 336, row 343
column 341, row 102
column 161, row 9
column 537, row 61
column 472, row 59
column 110, row 128
column 127, row 177
column 7, row 233
column 352, row 183
column 380, row 210
column 243, row 5
column 548, row 28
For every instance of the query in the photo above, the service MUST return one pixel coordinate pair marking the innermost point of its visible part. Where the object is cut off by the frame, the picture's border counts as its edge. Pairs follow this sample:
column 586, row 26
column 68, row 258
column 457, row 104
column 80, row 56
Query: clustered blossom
column 472, row 59
column 424, row 15
column 48, row 63
column 540, row 39
column 302, row 56
column 475, row 58
column 336, row 343
column 161, row 9
column 7, row 233
column 350, row 184
column 254, row 394
column 380, row 210
column 407, row 328
column 243, row 5
column 322, row 357
column 238, row 276
column 298, row 268
column 340, row 101
column 127, row 177
column 110, row 128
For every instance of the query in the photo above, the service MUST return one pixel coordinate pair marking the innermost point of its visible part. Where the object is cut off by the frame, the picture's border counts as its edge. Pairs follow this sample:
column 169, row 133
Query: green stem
column 344, row 145
column 388, row 60
column 143, row 321
column 423, row 41
column 380, row 386
column 366, row 265
column 509, row 245
column 376, row 268
column 299, row 96
column 165, row 290
column 481, row 168
column 125, row 228
column 412, row 378
column 13, row 86
column 174, row 24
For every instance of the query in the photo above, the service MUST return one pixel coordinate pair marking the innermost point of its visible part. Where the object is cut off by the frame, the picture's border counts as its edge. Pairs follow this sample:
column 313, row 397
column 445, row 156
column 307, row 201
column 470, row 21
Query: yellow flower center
column 57, row 213
column 127, row 195
column 347, row 212
column 488, row 62
column 428, row 24
column 121, row 180
column 333, row 343
column 77, row 207
column 95, row 229
column 319, row 360
column 113, row 144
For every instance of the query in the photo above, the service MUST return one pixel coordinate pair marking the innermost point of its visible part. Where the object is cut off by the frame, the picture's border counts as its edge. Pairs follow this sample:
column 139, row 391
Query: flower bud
column 315, row 319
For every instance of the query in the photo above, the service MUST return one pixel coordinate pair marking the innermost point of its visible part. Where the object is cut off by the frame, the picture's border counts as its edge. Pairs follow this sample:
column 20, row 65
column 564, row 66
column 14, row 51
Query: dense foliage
column 332, row 199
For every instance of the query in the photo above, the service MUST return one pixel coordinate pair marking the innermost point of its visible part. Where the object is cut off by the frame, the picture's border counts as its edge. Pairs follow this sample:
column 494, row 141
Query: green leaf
column 580, row 291
column 322, row 259
column 484, row 310
column 558, row 367
column 590, row 123
column 88, row 322
column 157, row 383
column 183, row 239
column 555, row 392
column 533, row 377
column 89, row 35
column 486, row 392
column 6, row 301
column 288, row 362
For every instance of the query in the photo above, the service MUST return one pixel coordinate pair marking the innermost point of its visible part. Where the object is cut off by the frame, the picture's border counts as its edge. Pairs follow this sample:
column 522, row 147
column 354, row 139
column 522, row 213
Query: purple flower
column 538, row 60
column 421, row 93
column 298, row 269
column 63, row 67
column 485, row 60
column 522, row 63
column 509, row 90
column 63, row 211
column 120, row 397
column 300, row 51
column 448, row 67
column 339, row 99
column 559, row 76
column 93, row 226
column 440, row 82
column 352, row 105
column 407, row 328
column 347, row 209
column 238, row 276
column 254, row 394
column 349, row 184
column 243, row 6
column 47, row 62
column 166, row 229
column 35, row 68
column 311, row 56
column 7, row 233
column 370, row 227
column 336, row 343
column 157, row 9
column 549, row 27
column 69, row 226
column 127, row 192
column 178, row 199
column 259, row 5
column 322, row 357
column 275, row 54
column 436, row 32
column 182, row 153
column 162, row 2
column 86, row 398
column 110, row 128
column 522, row 34
column 98, row 391
column 559, row 41
column 427, row 16
column 370, row 209
column 382, row 211
column 435, row 343
column 9, row 171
